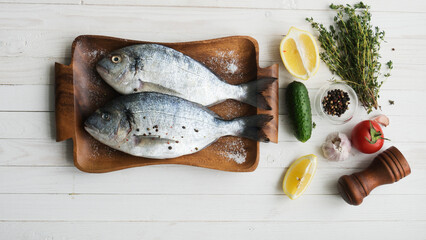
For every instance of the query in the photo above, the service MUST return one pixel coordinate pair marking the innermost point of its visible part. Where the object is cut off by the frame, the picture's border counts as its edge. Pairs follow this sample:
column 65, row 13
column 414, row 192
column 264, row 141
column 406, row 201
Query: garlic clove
column 382, row 119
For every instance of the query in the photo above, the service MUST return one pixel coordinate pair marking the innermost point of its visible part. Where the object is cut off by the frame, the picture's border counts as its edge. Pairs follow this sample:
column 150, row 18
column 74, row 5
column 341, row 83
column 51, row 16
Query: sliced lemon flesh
column 300, row 54
column 299, row 176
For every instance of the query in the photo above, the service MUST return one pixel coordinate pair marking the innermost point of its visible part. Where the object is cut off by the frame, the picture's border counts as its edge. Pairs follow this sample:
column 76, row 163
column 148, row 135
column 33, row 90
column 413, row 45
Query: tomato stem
column 375, row 135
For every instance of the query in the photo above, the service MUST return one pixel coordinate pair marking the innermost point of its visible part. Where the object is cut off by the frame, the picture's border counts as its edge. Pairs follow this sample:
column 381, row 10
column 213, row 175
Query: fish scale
column 157, row 68
column 159, row 126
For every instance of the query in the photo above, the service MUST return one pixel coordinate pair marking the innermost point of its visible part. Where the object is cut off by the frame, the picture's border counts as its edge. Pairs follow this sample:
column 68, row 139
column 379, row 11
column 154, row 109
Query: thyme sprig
column 351, row 50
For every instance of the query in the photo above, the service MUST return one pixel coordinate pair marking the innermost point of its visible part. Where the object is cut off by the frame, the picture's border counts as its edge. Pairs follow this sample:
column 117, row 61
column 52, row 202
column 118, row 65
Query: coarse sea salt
column 232, row 68
column 95, row 53
column 237, row 157
column 234, row 151
column 227, row 60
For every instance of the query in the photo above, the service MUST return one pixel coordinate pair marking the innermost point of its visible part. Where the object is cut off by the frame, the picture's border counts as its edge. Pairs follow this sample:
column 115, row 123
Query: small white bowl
column 352, row 107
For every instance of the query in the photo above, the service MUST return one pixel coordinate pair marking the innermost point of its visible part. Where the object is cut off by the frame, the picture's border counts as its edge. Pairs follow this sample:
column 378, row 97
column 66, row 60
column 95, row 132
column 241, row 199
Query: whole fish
column 156, row 125
column 157, row 68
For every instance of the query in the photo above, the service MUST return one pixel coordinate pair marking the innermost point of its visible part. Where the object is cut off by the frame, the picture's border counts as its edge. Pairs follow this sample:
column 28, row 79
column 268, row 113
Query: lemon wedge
column 299, row 52
column 299, row 176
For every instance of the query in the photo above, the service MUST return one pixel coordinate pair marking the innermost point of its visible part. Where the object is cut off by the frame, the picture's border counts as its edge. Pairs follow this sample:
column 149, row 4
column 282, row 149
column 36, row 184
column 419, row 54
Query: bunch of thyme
column 351, row 50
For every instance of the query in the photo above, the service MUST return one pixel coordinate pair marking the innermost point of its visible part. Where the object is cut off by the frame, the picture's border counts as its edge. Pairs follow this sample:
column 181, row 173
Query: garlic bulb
column 336, row 147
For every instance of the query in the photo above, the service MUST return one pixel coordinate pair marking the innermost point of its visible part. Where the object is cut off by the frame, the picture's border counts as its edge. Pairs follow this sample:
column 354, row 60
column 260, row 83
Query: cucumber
column 299, row 110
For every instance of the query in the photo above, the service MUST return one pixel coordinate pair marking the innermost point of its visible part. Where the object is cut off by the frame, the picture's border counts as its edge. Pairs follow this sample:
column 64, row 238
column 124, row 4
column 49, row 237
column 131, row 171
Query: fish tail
column 254, row 91
column 251, row 127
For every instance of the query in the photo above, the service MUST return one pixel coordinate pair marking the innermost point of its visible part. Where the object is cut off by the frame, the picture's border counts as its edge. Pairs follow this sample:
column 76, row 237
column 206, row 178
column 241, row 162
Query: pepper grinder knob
column 388, row 167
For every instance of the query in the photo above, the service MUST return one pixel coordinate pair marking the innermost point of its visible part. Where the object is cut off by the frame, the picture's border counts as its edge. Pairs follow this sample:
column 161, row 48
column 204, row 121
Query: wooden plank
column 27, row 97
column 148, row 19
column 180, row 180
column 395, row 230
column 64, row 207
column 52, row 180
column 34, row 153
column 36, row 71
column 51, row 44
column 57, row 44
column 41, row 125
column 281, row 154
column 377, row 5
column 42, row 1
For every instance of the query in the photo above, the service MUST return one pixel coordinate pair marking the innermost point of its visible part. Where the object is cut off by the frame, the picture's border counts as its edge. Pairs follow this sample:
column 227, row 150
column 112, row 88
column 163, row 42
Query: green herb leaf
column 351, row 50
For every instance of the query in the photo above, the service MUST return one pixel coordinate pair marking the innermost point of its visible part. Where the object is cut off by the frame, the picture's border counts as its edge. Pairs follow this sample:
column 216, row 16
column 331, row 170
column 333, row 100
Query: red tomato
column 367, row 137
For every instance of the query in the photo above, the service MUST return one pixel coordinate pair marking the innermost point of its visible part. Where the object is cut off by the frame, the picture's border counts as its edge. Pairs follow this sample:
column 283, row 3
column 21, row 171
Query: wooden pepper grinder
column 388, row 167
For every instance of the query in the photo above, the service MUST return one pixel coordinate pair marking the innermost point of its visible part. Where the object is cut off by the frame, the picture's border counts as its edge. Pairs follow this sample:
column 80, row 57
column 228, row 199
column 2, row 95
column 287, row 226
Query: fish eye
column 106, row 116
column 116, row 59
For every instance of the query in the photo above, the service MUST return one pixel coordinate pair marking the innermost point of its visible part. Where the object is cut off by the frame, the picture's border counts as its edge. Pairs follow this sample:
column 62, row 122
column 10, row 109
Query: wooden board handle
column 64, row 102
column 271, row 95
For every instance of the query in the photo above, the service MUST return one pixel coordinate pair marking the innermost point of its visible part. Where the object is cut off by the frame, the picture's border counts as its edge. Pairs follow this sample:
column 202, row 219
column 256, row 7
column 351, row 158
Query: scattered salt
column 234, row 151
column 227, row 60
column 94, row 145
column 237, row 157
column 232, row 68
column 94, row 53
column 99, row 150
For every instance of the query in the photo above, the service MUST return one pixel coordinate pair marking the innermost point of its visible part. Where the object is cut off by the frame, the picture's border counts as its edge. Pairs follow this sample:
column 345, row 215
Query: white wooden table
column 43, row 196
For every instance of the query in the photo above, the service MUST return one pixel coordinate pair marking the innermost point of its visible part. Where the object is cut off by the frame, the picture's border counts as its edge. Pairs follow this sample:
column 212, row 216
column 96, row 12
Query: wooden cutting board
column 79, row 91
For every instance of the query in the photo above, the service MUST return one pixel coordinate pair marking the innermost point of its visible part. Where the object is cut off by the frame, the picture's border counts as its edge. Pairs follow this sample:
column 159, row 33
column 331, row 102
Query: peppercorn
column 336, row 102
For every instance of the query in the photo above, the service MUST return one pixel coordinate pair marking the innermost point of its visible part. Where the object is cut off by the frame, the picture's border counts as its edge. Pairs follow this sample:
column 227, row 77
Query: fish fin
column 254, row 90
column 215, row 115
column 205, row 108
column 153, row 87
column 251, row 127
